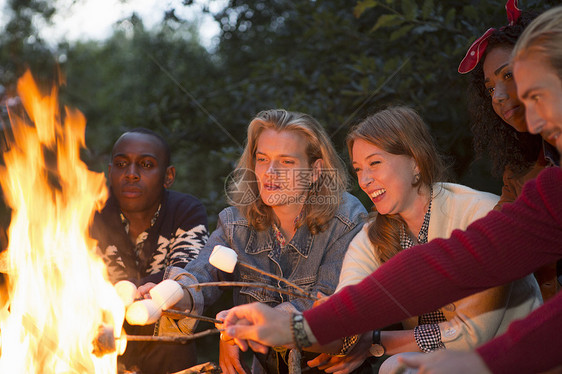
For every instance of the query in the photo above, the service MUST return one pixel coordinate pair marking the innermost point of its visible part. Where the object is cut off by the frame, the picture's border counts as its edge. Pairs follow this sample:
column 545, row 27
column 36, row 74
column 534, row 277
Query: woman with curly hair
column 498, row 118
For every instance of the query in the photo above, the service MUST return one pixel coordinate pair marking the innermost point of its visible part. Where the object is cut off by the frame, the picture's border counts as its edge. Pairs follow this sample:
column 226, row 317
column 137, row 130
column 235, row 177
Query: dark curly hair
column 505, row 146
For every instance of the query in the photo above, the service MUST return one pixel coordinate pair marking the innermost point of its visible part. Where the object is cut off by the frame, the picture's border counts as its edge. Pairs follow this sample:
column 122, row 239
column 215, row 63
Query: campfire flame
column 58, row 293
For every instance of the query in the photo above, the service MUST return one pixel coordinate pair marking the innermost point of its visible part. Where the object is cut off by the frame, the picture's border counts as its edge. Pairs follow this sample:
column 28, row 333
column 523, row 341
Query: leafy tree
column 20, row 44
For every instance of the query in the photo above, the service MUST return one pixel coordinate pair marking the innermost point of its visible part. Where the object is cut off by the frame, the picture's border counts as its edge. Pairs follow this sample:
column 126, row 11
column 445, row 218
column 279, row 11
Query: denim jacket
column 314, row 260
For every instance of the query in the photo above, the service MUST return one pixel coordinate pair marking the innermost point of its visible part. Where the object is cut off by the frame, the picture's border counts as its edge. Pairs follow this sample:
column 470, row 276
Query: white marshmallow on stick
column 223, row 258
column 127, row 291
column 143, row 312
column 166, row 294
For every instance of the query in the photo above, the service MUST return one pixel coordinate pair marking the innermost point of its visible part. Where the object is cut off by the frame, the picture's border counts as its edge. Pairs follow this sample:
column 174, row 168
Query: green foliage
column 20, row 44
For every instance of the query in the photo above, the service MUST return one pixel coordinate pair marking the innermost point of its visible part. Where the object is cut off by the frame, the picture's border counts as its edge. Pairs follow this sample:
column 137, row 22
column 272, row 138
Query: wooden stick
column 207, row 367
column 179, row 314
column 258, row 285
column 252, row 267
column 171, row 339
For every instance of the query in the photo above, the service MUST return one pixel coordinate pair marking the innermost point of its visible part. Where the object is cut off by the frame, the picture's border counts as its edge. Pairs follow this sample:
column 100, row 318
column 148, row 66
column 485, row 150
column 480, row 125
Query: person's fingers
column 143, row 291
column 238, row 367
column 231, row 367
column 321, row 299
column 325, row 366
column 321, row 359
column 235, row 315
column 224, row 337
column 229, row 359
column 259, row 323
column 243, row 332
column 342, row 367
column 333, row 360
column 257, row 347
column 222, row 314
column 242, row 344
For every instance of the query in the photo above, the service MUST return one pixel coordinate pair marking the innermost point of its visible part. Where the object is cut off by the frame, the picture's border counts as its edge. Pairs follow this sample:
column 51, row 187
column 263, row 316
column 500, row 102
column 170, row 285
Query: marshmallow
column 223, row 258
column 121, row 343
column 126, row 291
column 166, row 294
column 143, row 312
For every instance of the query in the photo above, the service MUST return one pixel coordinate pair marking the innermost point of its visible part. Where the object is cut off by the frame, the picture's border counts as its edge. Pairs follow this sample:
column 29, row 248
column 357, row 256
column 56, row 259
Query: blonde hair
column 543, row 37
column 324, row 195
column 399, row 131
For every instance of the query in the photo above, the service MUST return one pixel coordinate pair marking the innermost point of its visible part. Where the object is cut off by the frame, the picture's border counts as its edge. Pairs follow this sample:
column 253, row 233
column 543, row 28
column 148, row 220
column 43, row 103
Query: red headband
column 477, row 49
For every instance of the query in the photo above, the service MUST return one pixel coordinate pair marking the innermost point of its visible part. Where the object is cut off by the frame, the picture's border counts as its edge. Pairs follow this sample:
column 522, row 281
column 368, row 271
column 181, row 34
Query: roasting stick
column 106, row 342
column 179, row 314
column 170, row 339
column 252, row 284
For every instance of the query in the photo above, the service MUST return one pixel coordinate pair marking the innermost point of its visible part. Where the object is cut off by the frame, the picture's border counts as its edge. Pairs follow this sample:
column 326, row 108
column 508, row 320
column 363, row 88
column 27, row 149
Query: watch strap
column 377, row 337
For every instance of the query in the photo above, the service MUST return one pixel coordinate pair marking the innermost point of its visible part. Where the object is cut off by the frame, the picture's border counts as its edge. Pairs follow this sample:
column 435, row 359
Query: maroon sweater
column 497, row 249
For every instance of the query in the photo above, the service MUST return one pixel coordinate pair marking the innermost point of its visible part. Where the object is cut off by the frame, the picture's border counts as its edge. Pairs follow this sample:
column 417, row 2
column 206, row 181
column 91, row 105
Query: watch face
column 377, row 350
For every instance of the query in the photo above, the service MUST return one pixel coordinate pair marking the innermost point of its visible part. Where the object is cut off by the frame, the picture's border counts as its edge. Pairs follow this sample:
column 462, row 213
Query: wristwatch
column 377, row 349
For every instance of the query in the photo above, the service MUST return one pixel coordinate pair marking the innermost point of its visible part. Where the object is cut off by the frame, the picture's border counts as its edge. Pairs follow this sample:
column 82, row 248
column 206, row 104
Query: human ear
column 317, row 169
column 416, row 167
column 170, row 176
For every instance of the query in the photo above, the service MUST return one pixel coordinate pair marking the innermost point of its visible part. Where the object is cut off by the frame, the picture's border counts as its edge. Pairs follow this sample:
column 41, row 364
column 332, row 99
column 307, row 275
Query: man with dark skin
column 143, row 230
column 138, row 176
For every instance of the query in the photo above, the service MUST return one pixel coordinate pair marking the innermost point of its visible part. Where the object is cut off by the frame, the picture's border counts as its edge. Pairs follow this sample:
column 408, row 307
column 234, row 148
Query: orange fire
column 58, row 293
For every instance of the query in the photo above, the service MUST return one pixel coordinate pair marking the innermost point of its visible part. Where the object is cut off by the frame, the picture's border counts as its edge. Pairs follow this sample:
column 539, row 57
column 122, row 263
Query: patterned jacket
column 177, row 233
column 175, row 238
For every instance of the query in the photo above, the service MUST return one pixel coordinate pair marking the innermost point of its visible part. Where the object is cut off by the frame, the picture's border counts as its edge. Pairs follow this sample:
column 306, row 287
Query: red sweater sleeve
column 497, row 249
column 530, row 345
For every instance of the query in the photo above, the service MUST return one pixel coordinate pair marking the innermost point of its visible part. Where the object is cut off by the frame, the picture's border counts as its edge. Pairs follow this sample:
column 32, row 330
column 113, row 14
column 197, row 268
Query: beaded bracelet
column 298, row 331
